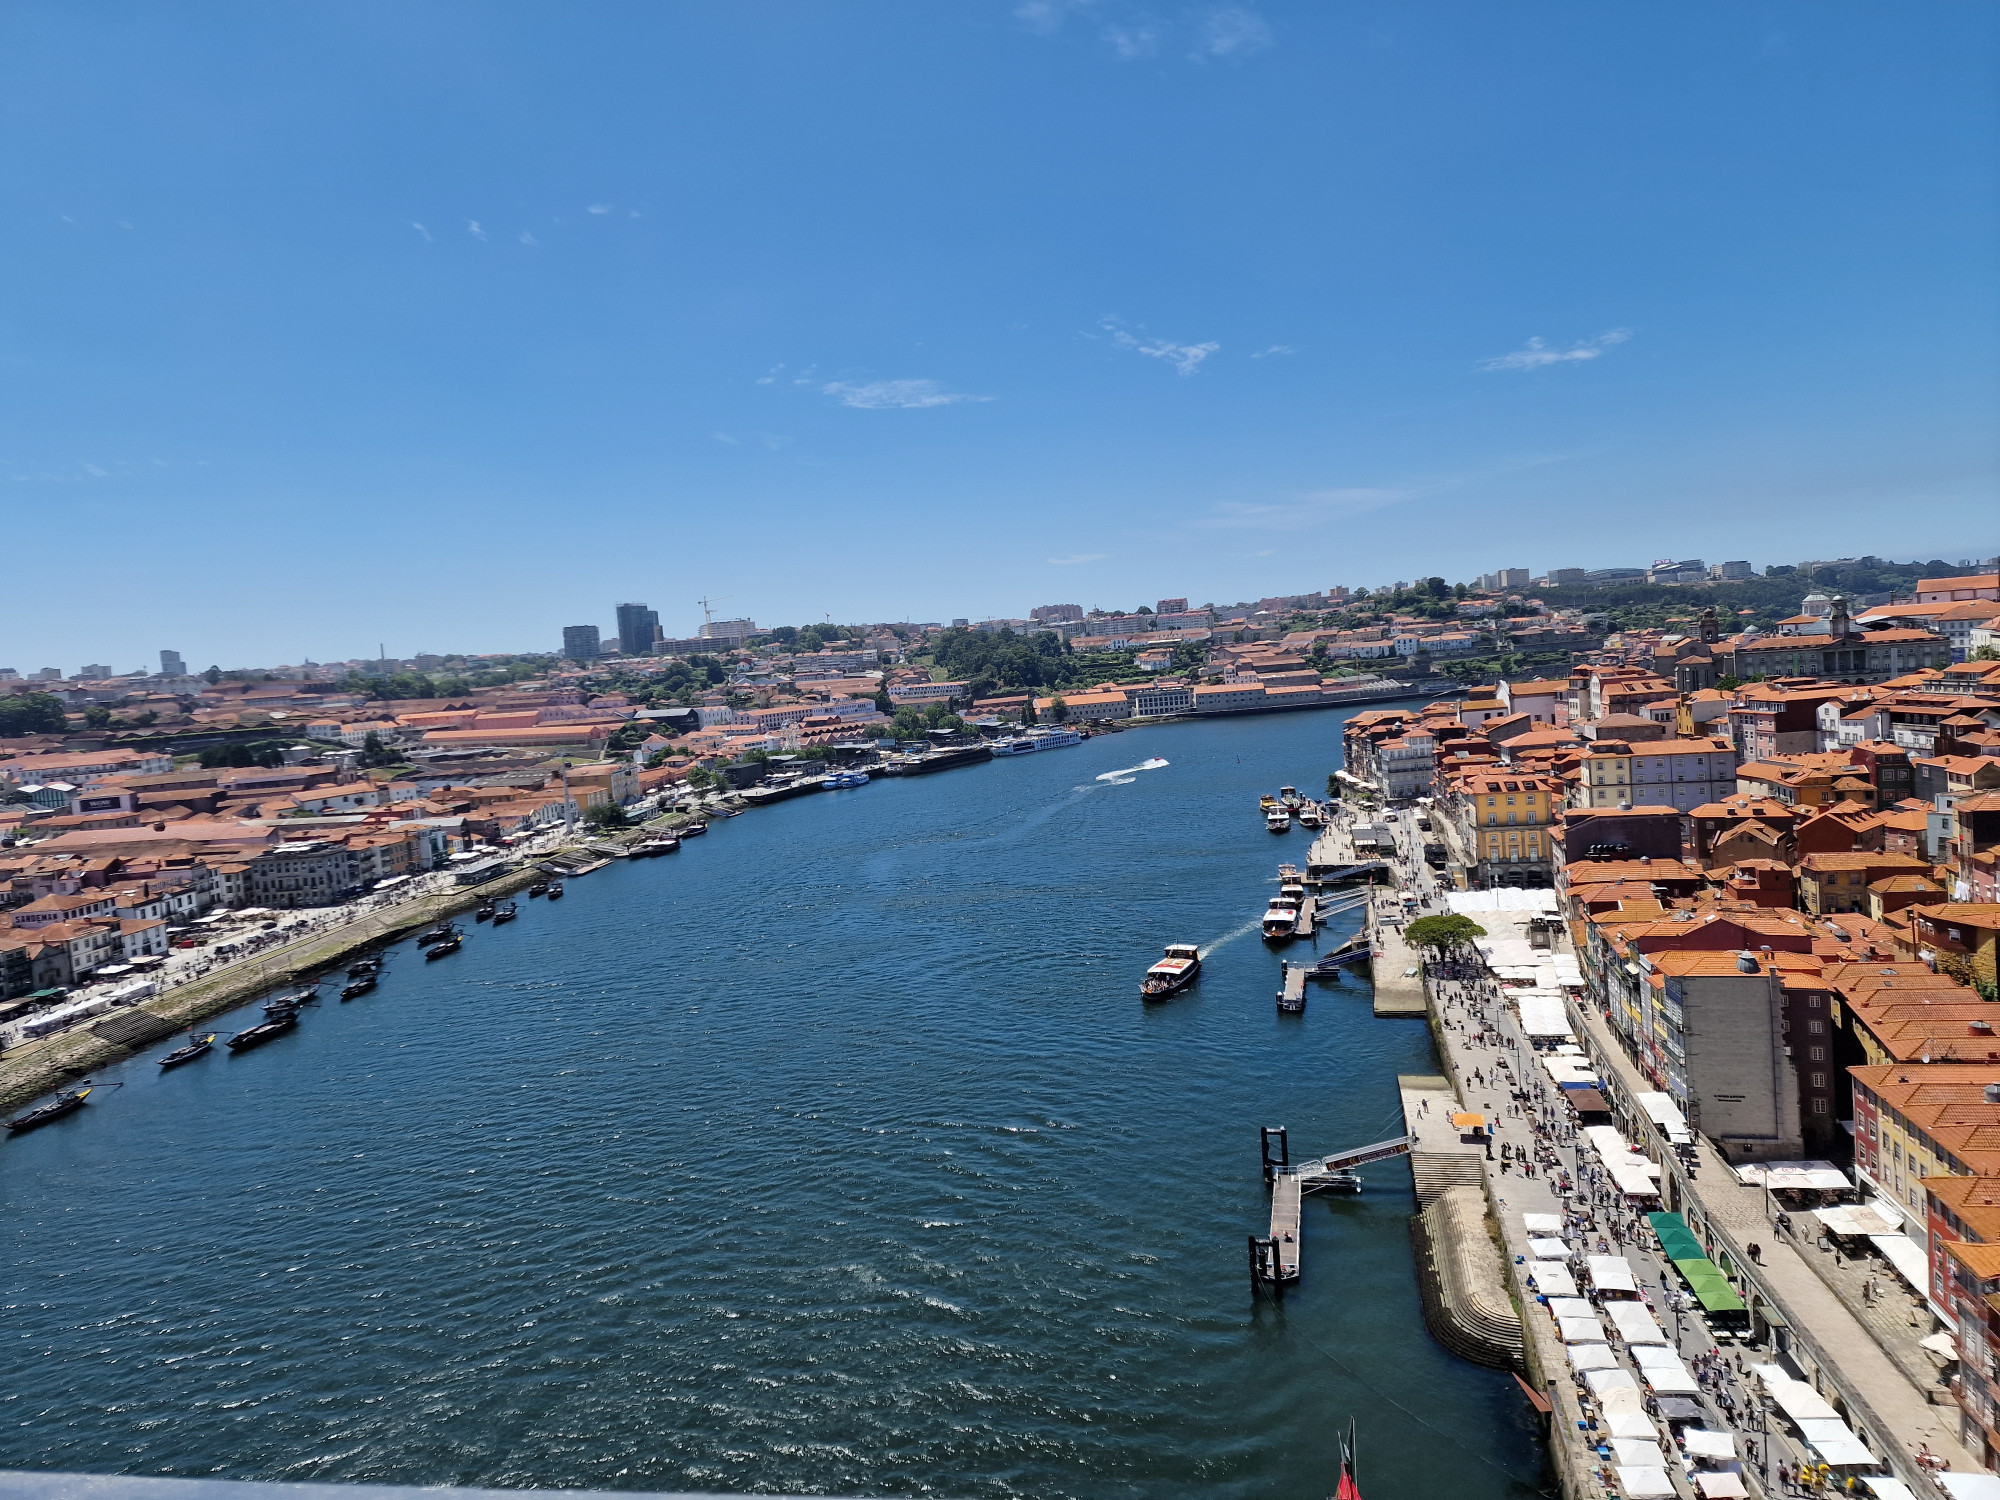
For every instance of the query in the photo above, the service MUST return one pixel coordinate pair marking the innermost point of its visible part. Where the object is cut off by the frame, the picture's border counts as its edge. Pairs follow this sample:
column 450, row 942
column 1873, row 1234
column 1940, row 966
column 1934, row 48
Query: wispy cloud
column 472, row 228
column 1304, row 509
column 421, row 230
column 1046, row 16
column 93, row 471
column 1314, row 507
column 528, row 239
column 600, row 208
column 1274, row 349
column 1074, row 558
column 895, row 395
column 1231, row 31
column 1537, row 355
column 1132, row 42
column 1185, row 358
column 723, row 437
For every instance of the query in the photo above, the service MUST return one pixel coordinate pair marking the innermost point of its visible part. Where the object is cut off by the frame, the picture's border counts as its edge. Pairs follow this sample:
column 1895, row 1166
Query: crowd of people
column 1534, row 1135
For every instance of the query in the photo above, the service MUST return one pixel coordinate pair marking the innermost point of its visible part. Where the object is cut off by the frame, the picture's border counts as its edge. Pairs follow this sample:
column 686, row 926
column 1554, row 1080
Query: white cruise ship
column 1055, row 738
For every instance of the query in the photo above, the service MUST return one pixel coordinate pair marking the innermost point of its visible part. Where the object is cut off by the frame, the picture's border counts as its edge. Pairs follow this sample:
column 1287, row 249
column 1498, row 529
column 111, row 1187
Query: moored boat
column 837, row 781
column 694, row 830
column 1281, row 920
column 1278, row 820
column 444, row 949
column 538, row 888
column 1288, row 797
column 359, row 986
column 55, row 1109
column 437, row 934
column 1173, row 973
column 292, row 1001
column 366, row 966
column 555, row 890
column 187, row 1054
column 505, row 913
column 256, row 1036
column 485, row 912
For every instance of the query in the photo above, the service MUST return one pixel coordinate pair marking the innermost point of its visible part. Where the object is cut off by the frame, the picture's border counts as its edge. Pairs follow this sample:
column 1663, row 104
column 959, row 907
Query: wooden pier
column 1292, row 998
column 1276, row 1258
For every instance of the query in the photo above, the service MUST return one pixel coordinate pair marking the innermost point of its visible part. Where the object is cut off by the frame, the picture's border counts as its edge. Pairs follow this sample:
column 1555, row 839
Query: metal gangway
column 1277, row 1257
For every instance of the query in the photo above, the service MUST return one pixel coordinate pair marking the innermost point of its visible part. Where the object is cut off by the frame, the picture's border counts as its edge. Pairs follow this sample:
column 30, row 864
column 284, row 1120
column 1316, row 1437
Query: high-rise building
column 1054, row 614
column 637, row 625
column 92, row 671
column 171, row 664
column 581, row 642
column 1171, row 607
column 733, row 631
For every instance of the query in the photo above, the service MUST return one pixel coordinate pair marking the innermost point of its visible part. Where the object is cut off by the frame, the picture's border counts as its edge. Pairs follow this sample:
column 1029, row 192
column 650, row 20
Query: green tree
column 97, row 716
column 31, row 713
column 212, row 676
column 1986, row 653
column 1441, row 934
column 1059, row 709
column 374, row 752
column 607, row 815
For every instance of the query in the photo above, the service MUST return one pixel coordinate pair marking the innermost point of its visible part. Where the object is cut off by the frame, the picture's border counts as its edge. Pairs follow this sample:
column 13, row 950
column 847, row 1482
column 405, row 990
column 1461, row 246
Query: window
column 1816, row 1054
column 1822, row 1107
column 1819, row 1080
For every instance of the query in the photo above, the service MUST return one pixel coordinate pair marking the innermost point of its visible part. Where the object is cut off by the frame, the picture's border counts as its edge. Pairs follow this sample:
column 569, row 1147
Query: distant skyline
column 448, row 326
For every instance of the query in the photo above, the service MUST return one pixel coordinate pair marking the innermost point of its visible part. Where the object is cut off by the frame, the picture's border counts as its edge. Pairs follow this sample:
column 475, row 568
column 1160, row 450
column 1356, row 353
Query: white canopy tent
column 1719, row 1484
column 1903, row 1253
column 1542, row 1223
column 1858, row 1218
column 1610, row 1273
column 1643, row 1483
column 1630, row 1424
column 1580, row 1330
column 1671, row 1380
column 1548, row 1249
column 1552, row 1278
column 1591, row 1357
column 1635, row 1451
column 1834, row 1441
column 1570, row 1307
column 1635, row 1323
column 1701, row 1442
column 1793, row 1174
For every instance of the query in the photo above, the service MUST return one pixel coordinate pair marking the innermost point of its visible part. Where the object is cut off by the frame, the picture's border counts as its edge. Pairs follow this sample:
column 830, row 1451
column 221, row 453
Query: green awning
column 1676, row 1239
column 1710, row 1287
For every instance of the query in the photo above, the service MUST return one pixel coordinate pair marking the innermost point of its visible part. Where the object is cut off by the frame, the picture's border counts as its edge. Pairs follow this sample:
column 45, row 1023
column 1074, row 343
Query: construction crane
column 707, row 614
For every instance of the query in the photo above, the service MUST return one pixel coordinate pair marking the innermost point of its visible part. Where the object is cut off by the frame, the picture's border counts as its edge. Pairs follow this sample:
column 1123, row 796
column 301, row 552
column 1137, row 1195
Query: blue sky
column 447, row 325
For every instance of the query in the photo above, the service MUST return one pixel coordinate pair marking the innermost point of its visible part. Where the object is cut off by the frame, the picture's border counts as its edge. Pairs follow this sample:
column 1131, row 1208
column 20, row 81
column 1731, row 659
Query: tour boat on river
column 1281, row 919
column 1278, row 820
column 1038, row 739
column 1173, row 973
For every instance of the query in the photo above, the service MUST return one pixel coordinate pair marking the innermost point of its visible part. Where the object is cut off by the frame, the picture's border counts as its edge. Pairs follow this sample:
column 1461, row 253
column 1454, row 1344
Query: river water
column 833, row 1154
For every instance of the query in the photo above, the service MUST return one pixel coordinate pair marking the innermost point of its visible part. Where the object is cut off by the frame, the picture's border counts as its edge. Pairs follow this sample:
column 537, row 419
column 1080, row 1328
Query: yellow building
column 1504, row 826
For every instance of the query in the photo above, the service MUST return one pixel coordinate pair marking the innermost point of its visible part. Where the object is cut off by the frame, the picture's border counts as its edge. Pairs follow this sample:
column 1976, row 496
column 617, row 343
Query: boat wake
column 1130, row 773
column 1227, row 938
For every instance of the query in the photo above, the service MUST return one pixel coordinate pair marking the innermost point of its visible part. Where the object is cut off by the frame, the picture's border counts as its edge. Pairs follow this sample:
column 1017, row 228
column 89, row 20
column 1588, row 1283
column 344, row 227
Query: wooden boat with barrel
column 198, row 1047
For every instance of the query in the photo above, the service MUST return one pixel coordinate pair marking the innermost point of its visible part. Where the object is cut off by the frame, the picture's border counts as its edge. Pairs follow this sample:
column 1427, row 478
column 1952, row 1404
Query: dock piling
column 1273, row 1164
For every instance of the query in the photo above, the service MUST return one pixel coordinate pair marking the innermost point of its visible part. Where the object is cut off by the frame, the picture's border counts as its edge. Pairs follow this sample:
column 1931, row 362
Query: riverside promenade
column 1859, row 1365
